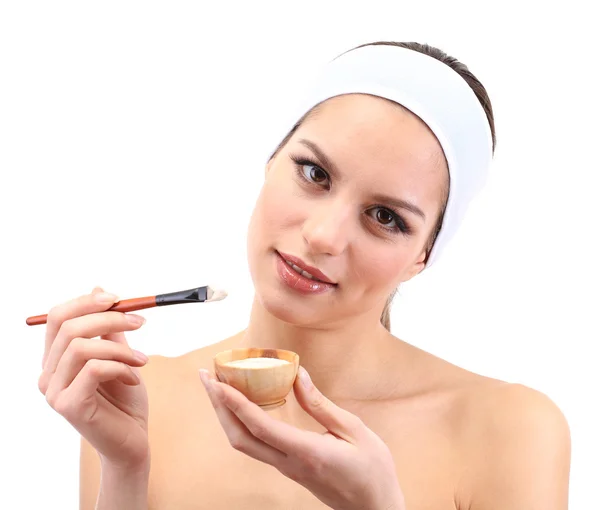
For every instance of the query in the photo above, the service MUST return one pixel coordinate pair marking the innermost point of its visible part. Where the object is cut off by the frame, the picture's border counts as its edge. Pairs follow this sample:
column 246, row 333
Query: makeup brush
column 197, row 295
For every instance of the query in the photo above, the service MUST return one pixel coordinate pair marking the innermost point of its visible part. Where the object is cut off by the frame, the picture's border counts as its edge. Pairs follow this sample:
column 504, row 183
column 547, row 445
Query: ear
column 269, row 165
column 416, row 268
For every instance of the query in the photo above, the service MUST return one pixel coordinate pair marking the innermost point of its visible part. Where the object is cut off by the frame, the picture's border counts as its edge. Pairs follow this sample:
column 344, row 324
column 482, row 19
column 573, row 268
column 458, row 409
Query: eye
column 314, row 173
column 310, row 172
column 388, row 220
column 384, row 217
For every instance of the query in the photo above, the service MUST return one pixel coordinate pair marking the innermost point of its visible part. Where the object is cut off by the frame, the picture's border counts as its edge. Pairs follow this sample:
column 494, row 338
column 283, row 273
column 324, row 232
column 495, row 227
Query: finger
column 81, row 350
column 277, row 434
column 238, row 435
column 336, row 420
column 78, row 402
column 89, row 326
column 113, row 337
column 118, row 337
column 90, row 303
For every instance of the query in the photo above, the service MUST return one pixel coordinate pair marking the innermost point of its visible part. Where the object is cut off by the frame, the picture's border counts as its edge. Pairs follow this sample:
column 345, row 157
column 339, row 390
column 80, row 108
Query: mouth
column 303, row 269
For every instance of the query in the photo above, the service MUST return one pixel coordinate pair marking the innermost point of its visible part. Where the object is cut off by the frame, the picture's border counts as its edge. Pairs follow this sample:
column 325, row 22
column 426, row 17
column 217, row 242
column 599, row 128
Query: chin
column 283, row 307
column 281, row 310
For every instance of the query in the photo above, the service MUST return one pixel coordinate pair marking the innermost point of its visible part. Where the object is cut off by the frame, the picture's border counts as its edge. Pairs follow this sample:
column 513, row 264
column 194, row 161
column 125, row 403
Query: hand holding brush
column 92, row 378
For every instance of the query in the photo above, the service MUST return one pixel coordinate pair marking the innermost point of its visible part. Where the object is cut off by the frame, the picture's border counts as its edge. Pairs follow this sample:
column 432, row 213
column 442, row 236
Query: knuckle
column 305, row 467
column 77, row 347
column 318, row 401
column 236, row 440
column 55, row 316
column 234, row 406
column 315, row 463
column 124, row 368
column 259, row 432
column 64, row 406
column 51, row 398
column 66, row 329
column 43, row 383
column 94, row 367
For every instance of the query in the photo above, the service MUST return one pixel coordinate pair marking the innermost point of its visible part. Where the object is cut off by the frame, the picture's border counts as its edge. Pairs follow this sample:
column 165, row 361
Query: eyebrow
column 384, row 199
column 402, row 204
column 321, row 156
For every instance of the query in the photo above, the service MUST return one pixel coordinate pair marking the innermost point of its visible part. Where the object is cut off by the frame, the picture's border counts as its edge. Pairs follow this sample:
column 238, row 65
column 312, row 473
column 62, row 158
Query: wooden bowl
column 265, row 386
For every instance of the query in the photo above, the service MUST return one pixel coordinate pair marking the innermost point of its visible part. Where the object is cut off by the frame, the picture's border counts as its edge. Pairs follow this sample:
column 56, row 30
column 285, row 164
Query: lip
column 305, row 267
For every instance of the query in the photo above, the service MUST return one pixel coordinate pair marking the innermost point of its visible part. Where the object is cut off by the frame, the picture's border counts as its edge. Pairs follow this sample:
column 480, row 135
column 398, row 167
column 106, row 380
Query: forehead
column 377, row 123
column 363, row 134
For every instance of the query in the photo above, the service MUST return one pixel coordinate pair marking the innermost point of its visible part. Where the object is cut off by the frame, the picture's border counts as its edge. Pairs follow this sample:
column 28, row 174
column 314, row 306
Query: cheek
column 277, row 209
column 280, row 207
column 380, row 267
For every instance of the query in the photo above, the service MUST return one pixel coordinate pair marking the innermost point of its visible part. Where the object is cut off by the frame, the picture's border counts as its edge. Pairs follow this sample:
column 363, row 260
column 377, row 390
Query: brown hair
column 479, row 91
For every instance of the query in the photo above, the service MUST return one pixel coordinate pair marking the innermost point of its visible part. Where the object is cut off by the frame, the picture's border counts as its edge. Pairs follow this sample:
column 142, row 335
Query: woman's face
column 355, row 193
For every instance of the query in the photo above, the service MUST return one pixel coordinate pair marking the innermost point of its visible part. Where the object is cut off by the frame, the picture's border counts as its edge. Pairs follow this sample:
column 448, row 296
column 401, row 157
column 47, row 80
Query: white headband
column 432, row 91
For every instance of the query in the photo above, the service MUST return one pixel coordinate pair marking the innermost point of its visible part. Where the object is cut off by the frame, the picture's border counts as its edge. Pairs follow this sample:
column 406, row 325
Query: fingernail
column 140, row 356
column 106, row 298
column 136, row 320
column 304, row 377
column 203, row 376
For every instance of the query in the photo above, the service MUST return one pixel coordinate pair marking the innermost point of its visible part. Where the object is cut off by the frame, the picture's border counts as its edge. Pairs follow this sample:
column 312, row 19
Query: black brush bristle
column 197, row 295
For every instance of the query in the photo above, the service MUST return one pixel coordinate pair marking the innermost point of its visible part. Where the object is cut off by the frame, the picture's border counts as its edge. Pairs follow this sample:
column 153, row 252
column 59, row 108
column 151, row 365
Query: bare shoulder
column 511, row 410
column 513, row 441
column 163, row 374
column 518, row 446
column 513, row 416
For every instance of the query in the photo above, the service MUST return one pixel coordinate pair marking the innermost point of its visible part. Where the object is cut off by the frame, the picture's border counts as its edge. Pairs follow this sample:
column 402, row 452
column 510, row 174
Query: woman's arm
column 124, row 488
column 522, row 453
column 106, row 487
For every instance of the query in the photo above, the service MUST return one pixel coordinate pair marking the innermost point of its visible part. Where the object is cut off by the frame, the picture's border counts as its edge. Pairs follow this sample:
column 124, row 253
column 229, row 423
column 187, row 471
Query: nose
column 327, row 228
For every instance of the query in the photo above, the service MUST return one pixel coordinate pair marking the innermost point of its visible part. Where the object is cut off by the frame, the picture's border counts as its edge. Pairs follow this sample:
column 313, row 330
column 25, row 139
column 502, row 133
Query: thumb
column 336, row 420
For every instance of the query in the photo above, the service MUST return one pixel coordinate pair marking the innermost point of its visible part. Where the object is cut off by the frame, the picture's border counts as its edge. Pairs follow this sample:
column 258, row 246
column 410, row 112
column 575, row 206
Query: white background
column 132, row 142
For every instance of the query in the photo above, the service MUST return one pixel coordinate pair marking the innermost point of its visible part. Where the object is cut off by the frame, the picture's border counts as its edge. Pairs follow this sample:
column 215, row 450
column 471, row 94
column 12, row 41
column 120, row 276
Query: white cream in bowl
column 256, row 362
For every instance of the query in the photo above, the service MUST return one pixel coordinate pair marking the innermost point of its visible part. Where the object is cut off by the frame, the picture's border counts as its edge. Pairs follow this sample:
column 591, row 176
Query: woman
column 361, row 195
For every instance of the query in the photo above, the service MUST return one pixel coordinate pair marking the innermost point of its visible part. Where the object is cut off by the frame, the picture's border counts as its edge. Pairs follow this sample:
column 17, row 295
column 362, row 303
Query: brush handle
column 127, row 305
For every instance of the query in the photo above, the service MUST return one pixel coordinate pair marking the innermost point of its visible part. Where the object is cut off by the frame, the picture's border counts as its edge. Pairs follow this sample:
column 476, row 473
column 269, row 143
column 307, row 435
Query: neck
column 344, row 360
